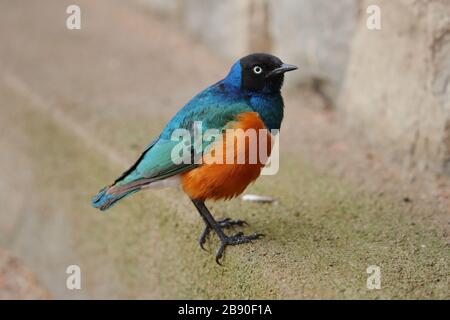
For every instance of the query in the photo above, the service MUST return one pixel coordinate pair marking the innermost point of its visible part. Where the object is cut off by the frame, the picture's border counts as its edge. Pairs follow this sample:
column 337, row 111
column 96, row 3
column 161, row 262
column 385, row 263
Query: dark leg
column 226, row 223
column 238, row 238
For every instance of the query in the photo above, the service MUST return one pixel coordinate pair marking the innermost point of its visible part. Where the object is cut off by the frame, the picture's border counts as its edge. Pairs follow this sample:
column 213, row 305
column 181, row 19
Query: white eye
column 257, row 69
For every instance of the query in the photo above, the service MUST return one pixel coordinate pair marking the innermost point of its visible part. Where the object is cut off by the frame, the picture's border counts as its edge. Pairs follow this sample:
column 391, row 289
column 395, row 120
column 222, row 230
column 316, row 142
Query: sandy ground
column 78, row 106
column 16, row 282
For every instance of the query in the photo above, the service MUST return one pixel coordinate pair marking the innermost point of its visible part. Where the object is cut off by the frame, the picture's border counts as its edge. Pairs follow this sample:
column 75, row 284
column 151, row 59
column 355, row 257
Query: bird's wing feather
column 156, row 162
column 131, row 169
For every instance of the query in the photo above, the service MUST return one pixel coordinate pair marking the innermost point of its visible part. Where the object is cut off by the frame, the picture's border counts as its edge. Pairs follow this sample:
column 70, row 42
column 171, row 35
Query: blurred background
column 365, row 149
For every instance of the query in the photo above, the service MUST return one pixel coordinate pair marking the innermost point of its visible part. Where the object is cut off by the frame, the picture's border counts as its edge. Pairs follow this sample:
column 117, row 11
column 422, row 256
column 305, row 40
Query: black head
column 261, row 72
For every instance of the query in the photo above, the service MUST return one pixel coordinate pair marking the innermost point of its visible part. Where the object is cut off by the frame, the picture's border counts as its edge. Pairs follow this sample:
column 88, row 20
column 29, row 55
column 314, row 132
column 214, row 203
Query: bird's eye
column 257, row 69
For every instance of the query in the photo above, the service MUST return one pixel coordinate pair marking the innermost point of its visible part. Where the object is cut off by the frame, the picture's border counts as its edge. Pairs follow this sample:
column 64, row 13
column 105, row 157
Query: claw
column 225, row 240
column 238, row 238
column 203, row 237
column 226, row 223
column 219, row 253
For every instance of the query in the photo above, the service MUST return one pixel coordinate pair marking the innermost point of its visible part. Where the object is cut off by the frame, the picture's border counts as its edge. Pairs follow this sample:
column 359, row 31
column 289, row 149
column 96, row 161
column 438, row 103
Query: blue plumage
column 216, row 106
column 248, row 98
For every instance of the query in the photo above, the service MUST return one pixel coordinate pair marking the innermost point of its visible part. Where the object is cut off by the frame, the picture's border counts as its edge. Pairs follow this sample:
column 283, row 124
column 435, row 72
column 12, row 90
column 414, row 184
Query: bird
column 248, row 98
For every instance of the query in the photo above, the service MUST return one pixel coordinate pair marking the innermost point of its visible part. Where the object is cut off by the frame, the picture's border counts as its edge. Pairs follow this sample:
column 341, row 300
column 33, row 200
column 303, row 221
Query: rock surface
column 17, row 282
column 397, row 91
column 316, row 35
column 77, row 109
column 313, row 34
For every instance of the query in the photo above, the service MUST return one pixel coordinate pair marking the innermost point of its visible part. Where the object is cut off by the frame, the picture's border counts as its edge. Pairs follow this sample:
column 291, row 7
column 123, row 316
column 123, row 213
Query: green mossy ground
column 320, row 237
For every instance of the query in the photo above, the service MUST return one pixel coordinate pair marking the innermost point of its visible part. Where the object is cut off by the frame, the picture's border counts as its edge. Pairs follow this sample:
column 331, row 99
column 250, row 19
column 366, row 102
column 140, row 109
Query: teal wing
column 158, row 161
column 213, row 108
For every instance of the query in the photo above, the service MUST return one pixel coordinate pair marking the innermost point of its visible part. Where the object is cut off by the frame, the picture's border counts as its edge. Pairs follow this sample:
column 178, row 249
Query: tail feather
column 108, row 196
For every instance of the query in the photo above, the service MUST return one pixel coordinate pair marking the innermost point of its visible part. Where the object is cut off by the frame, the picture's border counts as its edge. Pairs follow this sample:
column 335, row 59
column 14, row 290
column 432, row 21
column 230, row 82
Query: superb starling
column 249, row 98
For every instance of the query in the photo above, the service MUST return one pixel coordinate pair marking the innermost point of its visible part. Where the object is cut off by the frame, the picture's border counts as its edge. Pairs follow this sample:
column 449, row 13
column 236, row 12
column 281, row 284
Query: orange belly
column 226, row 180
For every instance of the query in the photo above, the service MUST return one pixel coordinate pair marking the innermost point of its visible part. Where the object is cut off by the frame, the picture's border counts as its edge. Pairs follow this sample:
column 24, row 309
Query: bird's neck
column 270, row 108
column 268, row 103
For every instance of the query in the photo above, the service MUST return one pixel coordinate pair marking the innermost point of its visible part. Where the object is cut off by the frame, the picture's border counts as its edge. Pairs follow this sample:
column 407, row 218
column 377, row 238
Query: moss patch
column 320, row 237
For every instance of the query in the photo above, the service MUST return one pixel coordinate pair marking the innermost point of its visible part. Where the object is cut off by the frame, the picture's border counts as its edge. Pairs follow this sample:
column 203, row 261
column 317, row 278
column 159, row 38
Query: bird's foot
column 226, row 223
column 238, row 238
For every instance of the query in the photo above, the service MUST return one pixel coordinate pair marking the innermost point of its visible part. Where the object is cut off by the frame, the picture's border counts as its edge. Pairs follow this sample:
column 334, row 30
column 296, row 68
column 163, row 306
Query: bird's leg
column 224, row 224
column 209, row 221
column 205, row 232
column 217, row 226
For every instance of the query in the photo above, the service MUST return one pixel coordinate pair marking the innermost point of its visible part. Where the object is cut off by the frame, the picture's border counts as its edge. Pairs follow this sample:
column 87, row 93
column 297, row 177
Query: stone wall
column 315, row 34
column 392, row 83
column 397, row 89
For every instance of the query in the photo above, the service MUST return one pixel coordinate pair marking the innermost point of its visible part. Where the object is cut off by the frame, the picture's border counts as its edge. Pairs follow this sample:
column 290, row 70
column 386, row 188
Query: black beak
column 281, row 69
